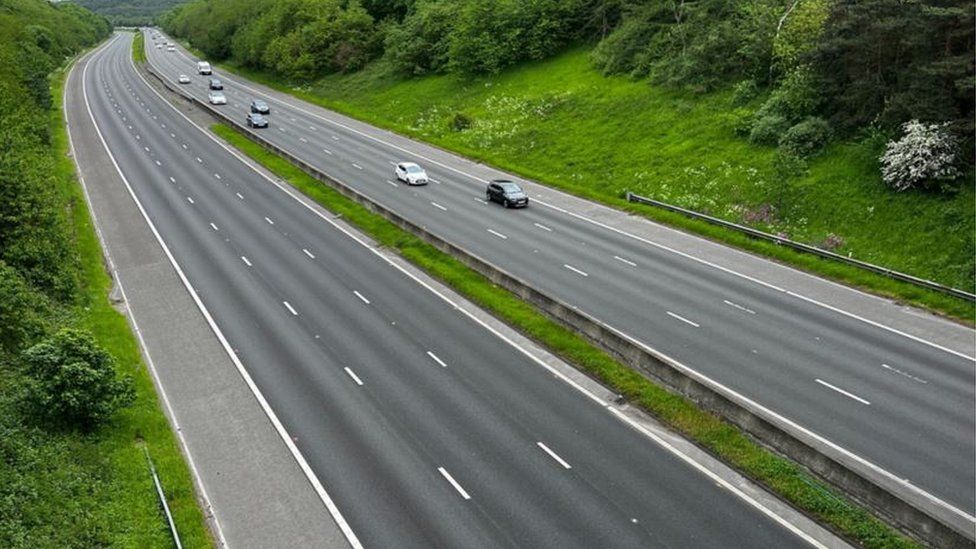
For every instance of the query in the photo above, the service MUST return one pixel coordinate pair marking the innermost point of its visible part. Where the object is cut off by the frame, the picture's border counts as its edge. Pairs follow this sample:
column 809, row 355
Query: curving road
column 425, row 428
column 897, row 402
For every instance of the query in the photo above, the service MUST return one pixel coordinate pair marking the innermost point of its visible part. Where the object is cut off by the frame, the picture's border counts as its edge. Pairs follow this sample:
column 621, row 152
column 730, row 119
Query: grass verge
column 592, row 139
column 139, row 48
column 781, row 476
column 123, row 504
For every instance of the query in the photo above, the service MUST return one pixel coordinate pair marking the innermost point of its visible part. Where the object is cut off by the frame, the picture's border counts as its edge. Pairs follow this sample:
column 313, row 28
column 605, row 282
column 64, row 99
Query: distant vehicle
column 217, row 98
column 410, row 173
column 159, row 46
column 507, row 193
column 255, row 120
column 184, row 79
column 170, row 48
column 216, row 84
column 260, row 107
column 204, row 68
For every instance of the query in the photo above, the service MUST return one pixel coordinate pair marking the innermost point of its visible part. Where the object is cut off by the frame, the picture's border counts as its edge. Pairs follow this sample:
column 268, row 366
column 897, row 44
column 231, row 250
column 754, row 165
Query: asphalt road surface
column 426, row 429
column 900, row 403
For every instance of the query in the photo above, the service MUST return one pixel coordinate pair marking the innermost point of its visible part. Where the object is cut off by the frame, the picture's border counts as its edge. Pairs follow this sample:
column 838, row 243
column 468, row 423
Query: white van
column 204, row 68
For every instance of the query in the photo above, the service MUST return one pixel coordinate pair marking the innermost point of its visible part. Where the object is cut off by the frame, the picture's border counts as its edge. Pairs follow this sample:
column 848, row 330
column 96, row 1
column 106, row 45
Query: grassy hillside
column 63, row 484
column 563, row 123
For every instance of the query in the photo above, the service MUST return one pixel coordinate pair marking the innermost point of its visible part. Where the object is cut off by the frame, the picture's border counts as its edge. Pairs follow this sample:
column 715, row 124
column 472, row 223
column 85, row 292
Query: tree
column 924, row 157
column 73, row 381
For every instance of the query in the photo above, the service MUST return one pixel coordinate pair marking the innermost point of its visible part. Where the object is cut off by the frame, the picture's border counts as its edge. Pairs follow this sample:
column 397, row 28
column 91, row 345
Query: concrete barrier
column 909, row 511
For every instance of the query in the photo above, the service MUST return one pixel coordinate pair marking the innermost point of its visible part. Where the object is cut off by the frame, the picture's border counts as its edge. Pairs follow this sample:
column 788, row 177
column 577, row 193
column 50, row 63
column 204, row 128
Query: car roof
column 409, row 164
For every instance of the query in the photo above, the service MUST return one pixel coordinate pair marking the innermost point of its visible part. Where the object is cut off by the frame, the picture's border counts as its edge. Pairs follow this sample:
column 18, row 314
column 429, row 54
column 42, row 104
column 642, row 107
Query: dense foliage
column 130, row 13
column 50, row 478
column 73, row 381
column 849, row 63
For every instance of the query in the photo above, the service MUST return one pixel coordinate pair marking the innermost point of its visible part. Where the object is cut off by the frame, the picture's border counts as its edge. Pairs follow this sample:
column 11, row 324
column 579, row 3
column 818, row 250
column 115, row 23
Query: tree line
column 817, row 68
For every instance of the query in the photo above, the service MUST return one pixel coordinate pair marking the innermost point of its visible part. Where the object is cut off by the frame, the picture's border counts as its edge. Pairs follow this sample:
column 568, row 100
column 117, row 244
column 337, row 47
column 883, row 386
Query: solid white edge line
column 583, row 390
column 353, row 376
column 553, row 455
column 843, row 392
column 150, row 363
column 619, row 231
column 361, row 296
column 436, row 359
column 453, row 482
column 683, row 319
column 721, row 481
column 282, row 432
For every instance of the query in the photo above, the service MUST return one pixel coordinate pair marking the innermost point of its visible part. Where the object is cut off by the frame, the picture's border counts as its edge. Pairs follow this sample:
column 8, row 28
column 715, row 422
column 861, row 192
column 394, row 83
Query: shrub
column 924, row 157
column 73, row 381
column 805, row 138
column 21, row 309
column 461, row 122
column 744, row 92
column 766, row 130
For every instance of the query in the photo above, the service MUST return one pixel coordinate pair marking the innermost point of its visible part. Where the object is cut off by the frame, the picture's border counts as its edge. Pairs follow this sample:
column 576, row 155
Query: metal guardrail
column 806, row 248
column 162, row 500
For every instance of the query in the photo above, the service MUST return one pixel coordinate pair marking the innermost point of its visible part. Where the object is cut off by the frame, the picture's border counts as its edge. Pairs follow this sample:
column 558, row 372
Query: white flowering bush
column 926, row 155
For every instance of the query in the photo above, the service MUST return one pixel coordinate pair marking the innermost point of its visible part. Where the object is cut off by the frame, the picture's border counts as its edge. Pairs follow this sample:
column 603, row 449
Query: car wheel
column 487, row 197
column 506, row 203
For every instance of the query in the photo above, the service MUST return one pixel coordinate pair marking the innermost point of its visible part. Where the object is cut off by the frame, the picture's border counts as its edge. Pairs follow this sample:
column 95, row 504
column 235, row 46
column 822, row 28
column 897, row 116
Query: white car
column 410, row 173
column 159, row 46
column 184, row 79
column 171, row 48
column 217, row 98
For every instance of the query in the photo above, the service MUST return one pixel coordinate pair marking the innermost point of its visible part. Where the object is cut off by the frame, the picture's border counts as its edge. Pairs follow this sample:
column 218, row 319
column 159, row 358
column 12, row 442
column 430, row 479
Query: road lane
column 920, row 432
column 379, row 447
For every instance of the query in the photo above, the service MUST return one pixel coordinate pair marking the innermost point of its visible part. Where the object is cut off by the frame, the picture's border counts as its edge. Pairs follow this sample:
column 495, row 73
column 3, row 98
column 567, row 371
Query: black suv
column 260, row 107
column 216, row 84
column 507, row 193
column 255, row 120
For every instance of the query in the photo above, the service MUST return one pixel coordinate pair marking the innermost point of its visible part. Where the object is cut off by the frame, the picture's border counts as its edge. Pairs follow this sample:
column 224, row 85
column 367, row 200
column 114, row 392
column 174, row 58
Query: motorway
column 897, row 402
column 425, row 428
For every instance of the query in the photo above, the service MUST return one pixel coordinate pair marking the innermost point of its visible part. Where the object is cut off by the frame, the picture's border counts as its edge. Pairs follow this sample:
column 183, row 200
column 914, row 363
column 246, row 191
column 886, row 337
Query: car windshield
column 217, row 95
column 257, row 117
column 414, row 169
column 510, row 187
column 260, row 104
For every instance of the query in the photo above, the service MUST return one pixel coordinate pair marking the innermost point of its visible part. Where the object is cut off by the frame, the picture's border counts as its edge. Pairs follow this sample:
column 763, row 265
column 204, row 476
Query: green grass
column 780, row 475
column 562, row 123
column 139, row 48
column 96, row 489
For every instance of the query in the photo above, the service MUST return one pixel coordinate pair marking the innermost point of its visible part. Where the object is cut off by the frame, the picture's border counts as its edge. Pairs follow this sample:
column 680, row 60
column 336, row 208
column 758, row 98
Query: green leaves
column 73, row 381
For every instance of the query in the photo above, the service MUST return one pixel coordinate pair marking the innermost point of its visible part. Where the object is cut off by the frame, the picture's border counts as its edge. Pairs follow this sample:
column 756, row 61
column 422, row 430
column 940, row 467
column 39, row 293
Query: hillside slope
column 563, row 123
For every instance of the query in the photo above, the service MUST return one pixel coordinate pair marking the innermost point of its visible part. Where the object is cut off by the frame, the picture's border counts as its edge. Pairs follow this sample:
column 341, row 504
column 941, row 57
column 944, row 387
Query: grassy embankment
column 562, row 123
column 95, row 489
column 725, row 441
column 138, row 48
